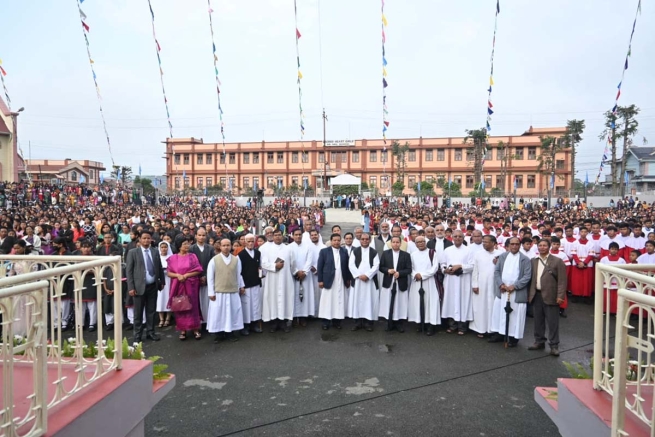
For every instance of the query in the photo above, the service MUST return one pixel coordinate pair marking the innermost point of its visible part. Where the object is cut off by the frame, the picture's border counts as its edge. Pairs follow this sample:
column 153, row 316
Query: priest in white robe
column 482, row 283
column 224, row 285
column 512, row 278
column 424, row 270
column 363, row 301
column 303, row 278
column 316, row 246
column 278, row 301
column 457, row 268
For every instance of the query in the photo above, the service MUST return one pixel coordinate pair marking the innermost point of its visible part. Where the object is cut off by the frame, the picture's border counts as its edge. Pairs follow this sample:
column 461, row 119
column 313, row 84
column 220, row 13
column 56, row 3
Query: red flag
column 618, row 94
column 298, row 33
column 158, row 46
column 386, row 123
column 490, row 105
column 86, row 26
column 2, row 70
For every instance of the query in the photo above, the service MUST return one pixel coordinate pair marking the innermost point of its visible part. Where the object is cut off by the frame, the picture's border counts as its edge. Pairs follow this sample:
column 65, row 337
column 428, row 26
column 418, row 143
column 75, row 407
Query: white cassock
column 303, row 256
column 516, row 317
column 251, row 301
column 333, row 300
column 474, row 248
column 224, row 314
column 278, row 289
column 307, row 239
column 421, row 264
column 364, row 296
column 457, row 289
column 402, row 299
column 348, row 290
column 316, row 249
column 483, row 279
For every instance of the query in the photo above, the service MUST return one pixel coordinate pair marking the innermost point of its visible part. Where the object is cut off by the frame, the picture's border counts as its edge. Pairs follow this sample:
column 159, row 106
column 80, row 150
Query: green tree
column 427, row 188
column 629, row 128
column 125, row 173
column 345, row 190
column 476, row 141
column 550, row 147
column 400, row 153
column 145, row 184
column 397, row 188
column 572, row 138
column 364, row 185
column 452, row 189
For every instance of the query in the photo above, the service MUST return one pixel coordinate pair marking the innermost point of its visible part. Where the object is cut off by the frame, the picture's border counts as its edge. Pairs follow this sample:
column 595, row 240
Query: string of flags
column 210, row 11
column 385, row 84
column 299, row 80
column 85, row 31
column 615, row 108
column 161, row 71
column 490, row 106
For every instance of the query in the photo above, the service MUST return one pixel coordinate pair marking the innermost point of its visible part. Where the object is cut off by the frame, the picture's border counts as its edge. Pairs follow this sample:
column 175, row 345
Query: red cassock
column 610, row 296
column 582, row 279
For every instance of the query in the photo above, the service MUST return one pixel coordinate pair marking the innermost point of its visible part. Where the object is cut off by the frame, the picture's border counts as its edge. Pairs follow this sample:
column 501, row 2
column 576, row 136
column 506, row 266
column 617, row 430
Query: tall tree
column 609, row 134
column 572, row 138
column 629, row 125
column 550, row 147
column 145, row 184
column 400, row 153
column 476, row 140
column 125, row 173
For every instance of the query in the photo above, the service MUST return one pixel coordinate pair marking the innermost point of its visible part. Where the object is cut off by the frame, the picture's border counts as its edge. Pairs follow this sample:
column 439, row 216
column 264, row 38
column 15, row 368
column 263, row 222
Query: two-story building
column 640, row 169
column 191, row 163
column 11, row 163
column 67, row 171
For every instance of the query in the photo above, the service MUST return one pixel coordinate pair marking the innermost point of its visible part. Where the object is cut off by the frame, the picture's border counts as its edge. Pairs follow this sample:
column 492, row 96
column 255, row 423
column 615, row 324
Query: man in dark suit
column 145, row 278
column 395, row 263
column 6, row 242
column 333, row 277
column 108, row 248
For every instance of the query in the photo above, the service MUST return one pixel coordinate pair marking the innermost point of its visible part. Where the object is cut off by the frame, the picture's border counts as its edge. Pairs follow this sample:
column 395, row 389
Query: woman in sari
column 165, row 253
column 184, row 268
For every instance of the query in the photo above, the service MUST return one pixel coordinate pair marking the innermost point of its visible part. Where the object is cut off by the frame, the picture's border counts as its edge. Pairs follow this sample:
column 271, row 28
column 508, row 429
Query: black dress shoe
column 274, row 327
column 257, row 329
column 356, row 327
column 496, row 338
column 430, row 331
column 562, row 313
column 129, row 327
column 92, row 328
column 287, row 329
column 400, row 328
column 326, row 327
column 245, row 331
column 232, row 337
column 336, row 325
column 217, row 339
column 153, row 337
column 369, row 327
column 110, row 327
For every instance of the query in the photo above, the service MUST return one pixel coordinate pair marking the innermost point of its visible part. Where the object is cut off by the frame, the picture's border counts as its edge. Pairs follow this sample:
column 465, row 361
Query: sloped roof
column 643, row 153
column 4, row 130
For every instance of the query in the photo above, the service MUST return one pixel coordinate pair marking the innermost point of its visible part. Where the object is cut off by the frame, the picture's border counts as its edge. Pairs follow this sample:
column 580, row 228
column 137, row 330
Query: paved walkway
column 348, row 220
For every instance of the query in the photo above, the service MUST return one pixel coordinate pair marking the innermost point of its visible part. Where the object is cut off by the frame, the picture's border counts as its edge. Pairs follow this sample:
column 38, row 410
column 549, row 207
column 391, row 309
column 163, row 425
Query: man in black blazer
column 6, row 242
column 333, row 298
column 395, row 263
column 145, row 278
column 439, row 243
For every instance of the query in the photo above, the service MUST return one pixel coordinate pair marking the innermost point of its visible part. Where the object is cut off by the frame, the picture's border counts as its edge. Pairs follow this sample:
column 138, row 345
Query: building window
column 344, row 156
column 428, row 155
column 519, row 181
column 177, row 159
column 429, row 179
column 199, row 182
column 222, row 158
column 458, row 180
column 269, row 158
column 280, row 157
column 519, row 154
column 373, row 156
column 208, row 158
column 488, row 182
column 223, row 181
column 500, row 183
column 255, row 157
column 177, row 182
column 532, row 153
column 294, row 180
column 384, row 156
column 333, row 156
column 384, row 182
column 500, row 154
column 469, row 181
column 372, row 181
column 255, row 182
column 305, row 157
column 232, row 184
column 280, row 182
column 270, row 181
column 531, row 181
column 321, row 157
column 209, row 182
column 458, row 154
column 469, row 155
column 73, row 176
column 199, row 159
column 246, row 182
column 412, row 156
column 92, row 173
column 305, row 181
column 559, row 164
column 355, row 156
column 489, row 156
column 233, row 158
column 246, row 158
column 187, row 181
column 441, row 155
column 411, row 181
column 186, row 159
column 294, row 157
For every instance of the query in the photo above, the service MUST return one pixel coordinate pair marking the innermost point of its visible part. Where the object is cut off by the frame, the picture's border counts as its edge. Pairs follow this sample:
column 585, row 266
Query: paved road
column 359, row 383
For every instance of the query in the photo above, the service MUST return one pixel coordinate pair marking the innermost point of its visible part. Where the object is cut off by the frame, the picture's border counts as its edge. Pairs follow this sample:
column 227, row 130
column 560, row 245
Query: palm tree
column 629, row 126
column 400, row 153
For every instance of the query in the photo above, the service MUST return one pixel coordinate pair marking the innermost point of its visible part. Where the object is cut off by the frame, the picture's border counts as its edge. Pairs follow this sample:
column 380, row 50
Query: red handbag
column 181, row 303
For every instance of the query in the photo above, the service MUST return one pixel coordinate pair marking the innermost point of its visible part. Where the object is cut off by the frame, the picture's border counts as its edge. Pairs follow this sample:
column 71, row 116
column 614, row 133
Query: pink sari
column 186, row 320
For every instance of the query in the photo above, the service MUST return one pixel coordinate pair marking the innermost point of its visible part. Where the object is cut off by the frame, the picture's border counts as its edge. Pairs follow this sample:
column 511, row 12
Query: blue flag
column 305, row 183
column 184, row 174
column 255, row 187
column 139, row 169
column 279, row 183
column 102, row 178
column 229, row 184
column 515, row 183
column 205, row 191
column 419, row 185
column 586, row 179
column 118, row 173
column 482, row 185
column 552, row 182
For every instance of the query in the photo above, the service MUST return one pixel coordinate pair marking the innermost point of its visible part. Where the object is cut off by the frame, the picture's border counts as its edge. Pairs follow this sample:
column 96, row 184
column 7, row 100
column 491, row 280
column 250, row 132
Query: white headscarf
column 164, row 262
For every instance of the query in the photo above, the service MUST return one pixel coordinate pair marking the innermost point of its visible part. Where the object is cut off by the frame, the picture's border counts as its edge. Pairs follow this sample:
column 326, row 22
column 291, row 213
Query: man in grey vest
column 224, row 285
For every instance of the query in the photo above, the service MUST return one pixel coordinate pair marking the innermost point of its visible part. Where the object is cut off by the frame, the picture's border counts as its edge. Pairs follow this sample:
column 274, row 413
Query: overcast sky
column 555, row 60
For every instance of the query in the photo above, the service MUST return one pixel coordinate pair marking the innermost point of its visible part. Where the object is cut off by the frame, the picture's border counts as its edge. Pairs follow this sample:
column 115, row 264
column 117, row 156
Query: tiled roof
column 643, row 152
column 4, row 108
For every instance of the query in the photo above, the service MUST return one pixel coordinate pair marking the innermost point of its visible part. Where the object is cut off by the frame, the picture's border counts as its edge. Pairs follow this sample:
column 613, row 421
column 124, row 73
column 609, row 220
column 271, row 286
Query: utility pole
column 325, row 158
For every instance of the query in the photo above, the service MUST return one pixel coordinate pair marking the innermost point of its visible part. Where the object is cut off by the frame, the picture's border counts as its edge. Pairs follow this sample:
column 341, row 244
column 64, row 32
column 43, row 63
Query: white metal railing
column 624, row 367
column 75, row 363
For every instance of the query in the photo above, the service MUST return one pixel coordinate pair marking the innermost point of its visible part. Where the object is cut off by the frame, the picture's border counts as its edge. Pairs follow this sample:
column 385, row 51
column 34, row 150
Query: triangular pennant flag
column 619, row 85
column 626, row 63
column 299, row 75
column 490, row 111
column 489, row 89
column 384, row 61
column 491, row 81
column 82, row 14
column 2, row 70
column 158, row 46
column 384, row 72
column 384, row 20
column 386, row 123
column 86, row 26
column 298, row 35
column 490, row 105
column 618, row 94
column 488, row 126
column 384, row 83
column 497, row 7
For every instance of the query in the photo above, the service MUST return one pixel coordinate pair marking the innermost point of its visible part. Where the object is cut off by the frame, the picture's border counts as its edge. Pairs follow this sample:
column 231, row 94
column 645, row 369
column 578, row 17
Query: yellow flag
column 0, row 61
column 384, row 20
column 91, row 61
column 384, row 72
column 299, row 75
column 491, row 81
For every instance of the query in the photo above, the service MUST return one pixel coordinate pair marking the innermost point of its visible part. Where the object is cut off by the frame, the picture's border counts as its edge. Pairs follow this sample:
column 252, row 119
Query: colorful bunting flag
column 385, row 84
column 301, row 114
column 161, row 71
column 618, row 94
column 85, row 33
column 490, row 111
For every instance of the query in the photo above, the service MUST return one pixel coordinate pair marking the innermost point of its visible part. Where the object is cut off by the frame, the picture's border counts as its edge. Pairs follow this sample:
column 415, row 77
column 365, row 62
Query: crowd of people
column 203, row 265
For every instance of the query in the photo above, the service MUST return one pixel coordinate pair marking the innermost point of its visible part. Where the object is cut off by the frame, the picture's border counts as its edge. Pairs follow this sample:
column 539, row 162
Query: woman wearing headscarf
column 165, row 252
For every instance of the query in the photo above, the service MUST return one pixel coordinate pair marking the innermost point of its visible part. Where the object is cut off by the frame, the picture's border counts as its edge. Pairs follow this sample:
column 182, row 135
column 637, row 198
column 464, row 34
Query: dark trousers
column 545, row 315
column 147, row 300
column 458, row 326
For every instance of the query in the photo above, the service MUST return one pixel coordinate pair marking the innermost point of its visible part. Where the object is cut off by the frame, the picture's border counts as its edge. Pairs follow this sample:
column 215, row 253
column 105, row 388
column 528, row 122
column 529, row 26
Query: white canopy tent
column 346, row 179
